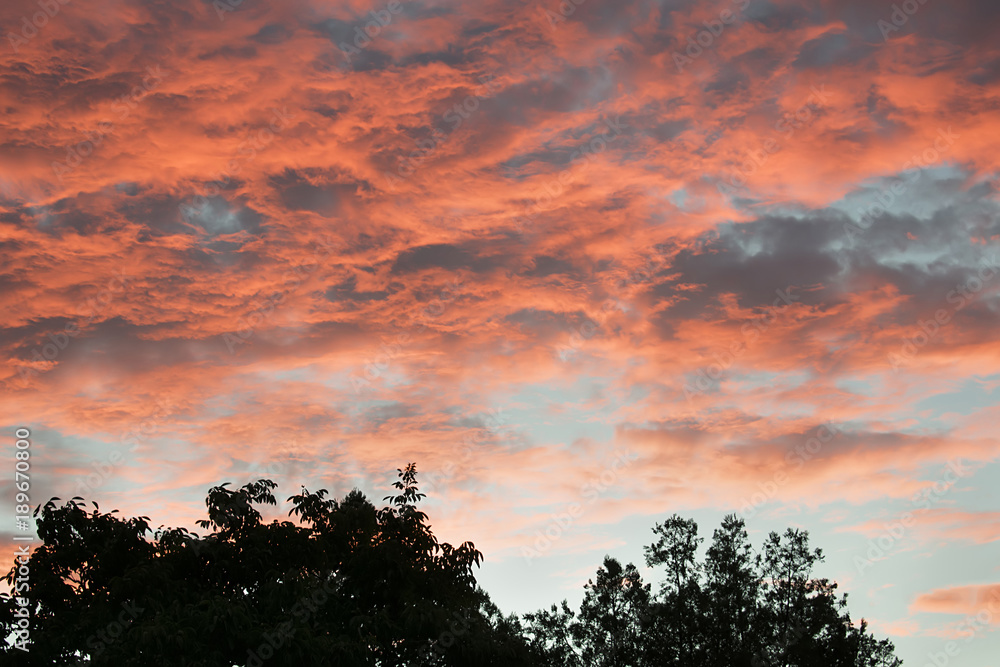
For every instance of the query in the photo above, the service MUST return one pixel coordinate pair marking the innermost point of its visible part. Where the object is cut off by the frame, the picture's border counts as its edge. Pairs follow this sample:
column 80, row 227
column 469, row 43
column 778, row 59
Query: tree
column 347, row 585
column 734, row 627
column 735, row 609
column 550, row 636
column 610, row 628
column 675, row 627
column 810, row 626
column 350, row 585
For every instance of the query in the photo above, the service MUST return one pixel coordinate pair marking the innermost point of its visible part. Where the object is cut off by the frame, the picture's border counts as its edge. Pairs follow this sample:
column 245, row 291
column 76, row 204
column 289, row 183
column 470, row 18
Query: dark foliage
column 736, row 609
column 351, row 585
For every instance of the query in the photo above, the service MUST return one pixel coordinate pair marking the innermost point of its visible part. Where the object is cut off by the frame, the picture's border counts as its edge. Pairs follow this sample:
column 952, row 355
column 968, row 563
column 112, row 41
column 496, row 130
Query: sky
column 588, row 264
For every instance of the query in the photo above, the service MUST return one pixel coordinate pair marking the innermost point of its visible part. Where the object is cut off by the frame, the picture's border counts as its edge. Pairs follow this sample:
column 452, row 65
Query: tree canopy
column 349, row 584
column 737, row 608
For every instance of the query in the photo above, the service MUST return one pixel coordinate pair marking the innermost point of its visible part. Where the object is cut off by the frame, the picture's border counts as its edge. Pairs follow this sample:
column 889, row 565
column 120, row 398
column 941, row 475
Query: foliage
column 347, row 585
column 351, row 585
column 737, row 608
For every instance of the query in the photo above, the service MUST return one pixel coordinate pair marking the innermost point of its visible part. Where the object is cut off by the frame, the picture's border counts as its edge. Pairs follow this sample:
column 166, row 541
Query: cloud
column 606, row 288
column 965, row 600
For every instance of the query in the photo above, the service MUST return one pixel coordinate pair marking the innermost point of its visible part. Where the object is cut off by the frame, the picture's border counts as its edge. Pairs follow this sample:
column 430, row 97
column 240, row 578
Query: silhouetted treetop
column 352, row 585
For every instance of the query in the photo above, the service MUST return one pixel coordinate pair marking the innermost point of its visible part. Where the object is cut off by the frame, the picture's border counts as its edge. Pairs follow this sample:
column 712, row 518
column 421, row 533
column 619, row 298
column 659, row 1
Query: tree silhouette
column 735, row 625
column 736, row 609
column 675, row 628
column 550, row 634
column 351, row 585
column 610, row 621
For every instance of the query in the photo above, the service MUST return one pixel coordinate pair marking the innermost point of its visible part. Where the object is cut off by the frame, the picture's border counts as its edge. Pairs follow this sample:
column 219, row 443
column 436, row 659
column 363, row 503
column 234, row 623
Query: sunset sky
column 616, row 258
